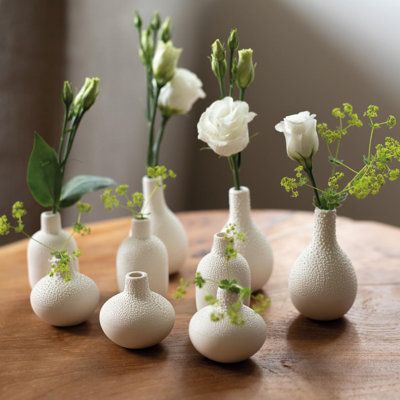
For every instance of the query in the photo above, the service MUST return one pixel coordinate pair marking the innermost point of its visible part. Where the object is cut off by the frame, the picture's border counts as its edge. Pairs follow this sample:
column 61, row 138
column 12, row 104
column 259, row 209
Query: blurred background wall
column 311, row 55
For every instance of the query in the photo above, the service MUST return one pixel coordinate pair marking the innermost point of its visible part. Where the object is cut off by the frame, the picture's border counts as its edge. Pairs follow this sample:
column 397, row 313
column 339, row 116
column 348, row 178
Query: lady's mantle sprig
column 134, row 203
column 60, row 261
column 259, row 302
column 377, row 164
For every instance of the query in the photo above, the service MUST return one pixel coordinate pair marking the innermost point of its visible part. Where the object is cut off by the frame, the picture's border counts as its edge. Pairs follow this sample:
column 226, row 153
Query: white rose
column 223, row 126
column 300, row 134
column 180, row 93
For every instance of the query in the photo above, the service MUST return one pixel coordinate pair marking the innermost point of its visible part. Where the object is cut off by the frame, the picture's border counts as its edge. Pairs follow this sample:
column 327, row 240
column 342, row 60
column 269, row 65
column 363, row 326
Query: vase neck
column 50, row 222
column 324, row 226
column 137, row 284
column 226, row 298
column 239, row 205
column 219, row 244
column 140, row 229
column 154, row 194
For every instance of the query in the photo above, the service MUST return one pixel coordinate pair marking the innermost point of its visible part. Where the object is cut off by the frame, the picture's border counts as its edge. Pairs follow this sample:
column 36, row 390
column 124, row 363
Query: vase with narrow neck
column 256, row 248
column 146, row 252
column 65, row 303
column 214, row 267
column 322, row 282
column 223, row 341
column 165, row 224
column 50, row 237
column 137, row 317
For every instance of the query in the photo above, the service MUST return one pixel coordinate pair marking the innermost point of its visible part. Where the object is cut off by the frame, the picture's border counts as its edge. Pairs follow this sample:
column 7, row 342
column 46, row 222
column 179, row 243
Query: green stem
column 149, row 97
column 241, row 94
column 231, row 77
column 63, row 134
column 346, row 166
column 309, row 172
column 157, row 145
column 150, row 156
column 233, row 163
column 222, row 90
column 371, row 135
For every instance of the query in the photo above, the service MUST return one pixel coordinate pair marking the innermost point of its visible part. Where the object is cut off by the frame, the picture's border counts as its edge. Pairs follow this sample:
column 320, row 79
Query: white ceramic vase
column 214, row 266
column 53, row 236
column 137, row 317
column 65, row 303
column 222, row 341
column 322, row 282
column 146, row 252
column 256, row 248
column 165, row 224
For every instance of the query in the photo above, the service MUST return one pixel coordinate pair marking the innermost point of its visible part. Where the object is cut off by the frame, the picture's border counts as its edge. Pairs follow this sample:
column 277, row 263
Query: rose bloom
column 180, row 93
column 224, row 126
column 300, row 134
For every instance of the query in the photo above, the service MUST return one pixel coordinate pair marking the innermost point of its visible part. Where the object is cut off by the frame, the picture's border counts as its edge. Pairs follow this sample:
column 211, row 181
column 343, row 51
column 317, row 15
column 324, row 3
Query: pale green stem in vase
column 150, row 156
column 157, row 145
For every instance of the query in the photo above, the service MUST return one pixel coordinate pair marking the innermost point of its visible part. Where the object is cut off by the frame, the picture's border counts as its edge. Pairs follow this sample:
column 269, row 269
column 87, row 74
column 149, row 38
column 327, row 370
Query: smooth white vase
column 65, row 303
column 165, row 224
column 53, row 236
column 145, row 252
column 222, row 341
column 256, row 248
column 322, row 282
column 214, row 266
column 137, row 317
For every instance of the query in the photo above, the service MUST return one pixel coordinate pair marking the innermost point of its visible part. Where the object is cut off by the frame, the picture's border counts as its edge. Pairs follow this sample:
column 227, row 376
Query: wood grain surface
column 356, row 357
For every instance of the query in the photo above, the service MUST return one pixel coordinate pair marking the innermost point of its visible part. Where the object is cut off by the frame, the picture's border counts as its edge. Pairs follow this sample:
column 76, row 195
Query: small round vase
column 222, row 341
column 144, row 251
column 137, row 317
column 256, row 248
column 53, row 236
column 215, row 267
column 165, row 224
column 65, row 303
column 322, row 282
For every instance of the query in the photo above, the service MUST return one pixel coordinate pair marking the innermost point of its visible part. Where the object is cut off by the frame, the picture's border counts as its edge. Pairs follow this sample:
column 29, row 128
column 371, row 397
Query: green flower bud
column 245, row 69
column 165, row 35
column 137, row 21
column 233, row 41
column 68, row 94
column 164, row 62
column 86, row 96
column 218, row 60
column 155, row 21
column 147, row 46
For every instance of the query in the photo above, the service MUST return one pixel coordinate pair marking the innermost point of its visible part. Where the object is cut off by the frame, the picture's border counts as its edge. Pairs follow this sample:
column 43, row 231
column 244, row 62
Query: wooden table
column 357, row 357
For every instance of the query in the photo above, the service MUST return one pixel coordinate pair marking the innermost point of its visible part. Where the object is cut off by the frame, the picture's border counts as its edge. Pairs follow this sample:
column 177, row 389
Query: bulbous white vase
column 65, row 303
column 256, row 248
column 137, row 317
column 322, row 282
column 53, row 236
column 144, row 251
column 215, row 267
column 165, row 224
column 222, row 341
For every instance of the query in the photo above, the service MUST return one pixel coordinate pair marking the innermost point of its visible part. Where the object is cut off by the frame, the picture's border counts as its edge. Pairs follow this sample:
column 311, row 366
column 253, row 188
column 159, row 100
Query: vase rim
column 136, row 275
column 320, row 210
column 243, row 189
column 49, row 213
column 147, row 178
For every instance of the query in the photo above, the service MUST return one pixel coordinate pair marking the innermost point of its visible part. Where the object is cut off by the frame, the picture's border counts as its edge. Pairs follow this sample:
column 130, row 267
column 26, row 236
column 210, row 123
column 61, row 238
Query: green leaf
column 44, row 173
column 73, row 190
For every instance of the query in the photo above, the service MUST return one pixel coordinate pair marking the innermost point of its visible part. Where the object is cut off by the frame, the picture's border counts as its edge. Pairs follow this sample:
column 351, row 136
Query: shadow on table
column 157, row 352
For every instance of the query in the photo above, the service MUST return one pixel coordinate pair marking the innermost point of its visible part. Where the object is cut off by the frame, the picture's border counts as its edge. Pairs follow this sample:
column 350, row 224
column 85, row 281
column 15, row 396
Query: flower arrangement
column 224, row 124
column 169, row 89
column 259, row 301
column 301, row 133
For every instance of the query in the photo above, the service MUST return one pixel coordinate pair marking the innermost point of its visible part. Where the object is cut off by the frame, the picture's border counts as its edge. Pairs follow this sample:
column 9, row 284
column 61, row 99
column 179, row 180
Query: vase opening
column 50, row 222
column 137, row 283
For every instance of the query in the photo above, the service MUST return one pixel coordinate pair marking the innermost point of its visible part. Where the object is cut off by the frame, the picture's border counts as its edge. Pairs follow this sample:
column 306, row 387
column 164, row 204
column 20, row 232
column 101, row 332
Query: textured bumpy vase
column 322, row 282
column 256, row 248
column 165, row 224
column 215, row 267
column 144, row 251
column 53, row 236
column 222, row 341
column 137, row 317
column 65, row 303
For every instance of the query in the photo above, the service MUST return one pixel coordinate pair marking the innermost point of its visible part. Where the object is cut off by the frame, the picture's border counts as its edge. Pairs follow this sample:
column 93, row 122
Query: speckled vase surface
column 223, row 341
column 256, row 248
column 322, row 282
column 145, row 252
column 65, row 303
column 137, row 317
column 53, row 236
column 165, row 224
column 214, row 266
